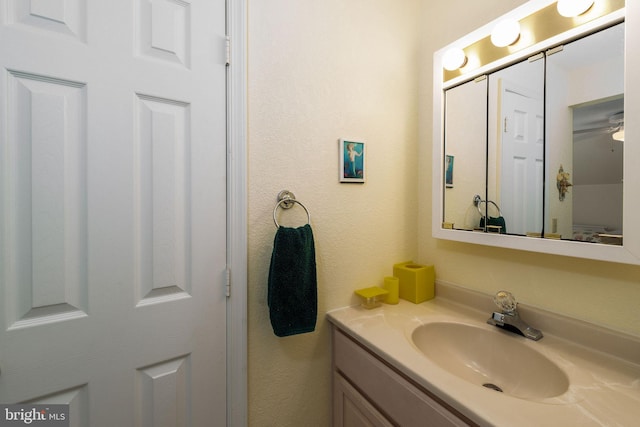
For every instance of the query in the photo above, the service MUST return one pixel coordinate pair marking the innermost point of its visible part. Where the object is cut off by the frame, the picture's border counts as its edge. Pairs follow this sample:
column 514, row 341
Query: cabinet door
column 401, row 401
column 351, row 409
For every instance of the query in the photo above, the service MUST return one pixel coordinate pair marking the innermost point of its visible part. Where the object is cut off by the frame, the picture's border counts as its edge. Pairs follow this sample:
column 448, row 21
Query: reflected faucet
column 509, row 319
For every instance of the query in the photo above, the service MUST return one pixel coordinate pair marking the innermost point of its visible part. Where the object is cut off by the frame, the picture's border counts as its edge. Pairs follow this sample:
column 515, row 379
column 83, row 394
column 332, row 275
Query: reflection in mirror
column 516, row 145
column 465, row 153
column 578, row 205
column 585, row 111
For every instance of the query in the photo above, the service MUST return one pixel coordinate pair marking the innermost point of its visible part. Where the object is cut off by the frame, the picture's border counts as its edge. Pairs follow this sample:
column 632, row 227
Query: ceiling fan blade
column 599, row 130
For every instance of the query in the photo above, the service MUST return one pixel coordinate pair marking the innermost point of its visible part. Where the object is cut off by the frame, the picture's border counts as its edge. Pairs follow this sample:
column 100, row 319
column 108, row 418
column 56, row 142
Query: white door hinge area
column 555, row 50
column 228, row 50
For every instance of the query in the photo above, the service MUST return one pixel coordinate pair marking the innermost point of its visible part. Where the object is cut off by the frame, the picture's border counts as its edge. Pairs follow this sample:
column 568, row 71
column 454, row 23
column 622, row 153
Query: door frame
column 237, row 395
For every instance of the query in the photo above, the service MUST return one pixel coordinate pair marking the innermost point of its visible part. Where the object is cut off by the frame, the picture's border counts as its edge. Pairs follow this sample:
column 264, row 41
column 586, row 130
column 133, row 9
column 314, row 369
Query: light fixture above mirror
column 573, row 8
column 527, row 30
column 454, row 59
column 505, row 33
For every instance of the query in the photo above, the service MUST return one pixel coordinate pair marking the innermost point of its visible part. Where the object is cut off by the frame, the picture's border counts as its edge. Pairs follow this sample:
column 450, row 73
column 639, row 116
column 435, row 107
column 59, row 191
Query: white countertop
column 603, row 391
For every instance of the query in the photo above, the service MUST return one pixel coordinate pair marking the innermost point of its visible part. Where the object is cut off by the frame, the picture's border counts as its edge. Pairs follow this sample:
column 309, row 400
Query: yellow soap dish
column 371, row 297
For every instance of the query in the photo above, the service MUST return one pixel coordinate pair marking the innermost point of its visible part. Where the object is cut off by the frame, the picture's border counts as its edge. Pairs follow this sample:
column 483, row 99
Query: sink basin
column 491, row 358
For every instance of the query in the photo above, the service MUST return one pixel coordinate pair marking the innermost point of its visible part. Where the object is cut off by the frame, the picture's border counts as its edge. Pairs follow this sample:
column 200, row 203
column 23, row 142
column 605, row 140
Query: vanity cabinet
column 369, row 392
column 352, row 409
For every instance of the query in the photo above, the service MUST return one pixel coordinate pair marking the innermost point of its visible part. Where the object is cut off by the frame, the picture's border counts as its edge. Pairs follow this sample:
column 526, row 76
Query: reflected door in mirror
column 516, row 144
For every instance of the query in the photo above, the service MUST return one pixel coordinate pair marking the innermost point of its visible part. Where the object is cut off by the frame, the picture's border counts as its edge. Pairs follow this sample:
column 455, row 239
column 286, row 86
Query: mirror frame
column 629, row 252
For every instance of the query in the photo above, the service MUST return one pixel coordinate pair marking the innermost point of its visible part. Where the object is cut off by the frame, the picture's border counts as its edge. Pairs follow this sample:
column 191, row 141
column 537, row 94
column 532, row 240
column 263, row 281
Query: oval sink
column 495, row 359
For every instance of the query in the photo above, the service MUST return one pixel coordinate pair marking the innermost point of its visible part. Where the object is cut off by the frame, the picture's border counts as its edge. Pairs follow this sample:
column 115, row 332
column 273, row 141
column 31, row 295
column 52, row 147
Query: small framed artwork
column 448, row 171
column 352, row 160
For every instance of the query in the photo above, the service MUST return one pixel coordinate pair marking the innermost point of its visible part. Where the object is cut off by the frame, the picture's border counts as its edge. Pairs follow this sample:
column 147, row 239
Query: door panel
column 46, row 233
column 113, row 209
column 522, row 181
column 162, row 150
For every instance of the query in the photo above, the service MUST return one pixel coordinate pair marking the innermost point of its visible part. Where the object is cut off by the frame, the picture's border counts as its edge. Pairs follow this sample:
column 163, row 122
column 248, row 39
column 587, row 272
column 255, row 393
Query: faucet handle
column 506, row 301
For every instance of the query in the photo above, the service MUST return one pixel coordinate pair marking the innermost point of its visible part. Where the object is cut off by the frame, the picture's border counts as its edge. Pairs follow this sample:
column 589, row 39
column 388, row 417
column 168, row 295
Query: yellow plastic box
column 417, row 282
column 371, row 297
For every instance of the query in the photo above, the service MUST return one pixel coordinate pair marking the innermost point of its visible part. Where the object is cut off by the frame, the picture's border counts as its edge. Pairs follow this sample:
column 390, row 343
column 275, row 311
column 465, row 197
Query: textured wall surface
column 319, row 71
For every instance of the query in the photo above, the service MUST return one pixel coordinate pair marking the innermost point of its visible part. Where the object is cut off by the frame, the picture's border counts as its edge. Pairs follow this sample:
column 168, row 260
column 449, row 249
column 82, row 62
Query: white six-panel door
column 112, row 209
column 521, row 195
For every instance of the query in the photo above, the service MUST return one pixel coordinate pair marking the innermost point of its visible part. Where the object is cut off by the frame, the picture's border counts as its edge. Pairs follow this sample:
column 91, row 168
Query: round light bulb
column 573, row 8
column 453, row 59
column 505, row 33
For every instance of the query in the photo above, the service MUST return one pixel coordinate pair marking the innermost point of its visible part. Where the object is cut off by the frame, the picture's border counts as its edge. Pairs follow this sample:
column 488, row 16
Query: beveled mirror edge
column 629, row 252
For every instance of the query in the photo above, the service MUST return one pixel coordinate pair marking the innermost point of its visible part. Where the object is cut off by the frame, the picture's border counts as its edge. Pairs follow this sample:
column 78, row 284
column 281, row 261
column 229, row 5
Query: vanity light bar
column 539, row 26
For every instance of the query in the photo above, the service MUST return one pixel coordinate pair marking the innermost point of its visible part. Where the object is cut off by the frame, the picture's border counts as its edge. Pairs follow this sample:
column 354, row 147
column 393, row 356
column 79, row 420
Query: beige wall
column 321, row 70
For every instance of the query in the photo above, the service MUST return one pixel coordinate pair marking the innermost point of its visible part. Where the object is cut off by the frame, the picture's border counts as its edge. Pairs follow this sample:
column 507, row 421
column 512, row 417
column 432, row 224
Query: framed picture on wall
column 448, row 171
column 352, row 160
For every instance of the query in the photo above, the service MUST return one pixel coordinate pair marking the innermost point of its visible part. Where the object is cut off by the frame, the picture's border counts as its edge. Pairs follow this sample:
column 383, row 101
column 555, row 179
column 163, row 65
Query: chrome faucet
column 509, row 318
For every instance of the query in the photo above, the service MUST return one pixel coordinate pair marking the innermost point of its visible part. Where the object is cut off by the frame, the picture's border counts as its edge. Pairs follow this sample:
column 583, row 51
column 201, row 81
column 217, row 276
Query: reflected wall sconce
column 453, row 59
column 505, row 33
column 573, row 8
column 562, row 183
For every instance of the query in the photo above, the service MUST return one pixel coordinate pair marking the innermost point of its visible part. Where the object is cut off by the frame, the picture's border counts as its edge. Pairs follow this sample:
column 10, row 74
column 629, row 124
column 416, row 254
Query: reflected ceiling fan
column 615, row 128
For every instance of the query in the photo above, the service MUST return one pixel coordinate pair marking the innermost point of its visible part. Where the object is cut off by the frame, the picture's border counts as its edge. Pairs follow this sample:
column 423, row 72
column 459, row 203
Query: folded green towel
column 499, row 221
column 292, row 293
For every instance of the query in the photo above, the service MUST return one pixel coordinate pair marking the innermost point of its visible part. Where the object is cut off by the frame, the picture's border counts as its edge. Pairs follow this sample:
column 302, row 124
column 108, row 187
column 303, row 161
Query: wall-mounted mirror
column 530, row 146
column 466, row 154
column 585, row 126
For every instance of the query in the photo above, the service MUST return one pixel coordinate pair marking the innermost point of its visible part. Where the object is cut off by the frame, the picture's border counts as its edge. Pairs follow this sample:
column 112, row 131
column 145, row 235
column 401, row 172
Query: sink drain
column 492, row 387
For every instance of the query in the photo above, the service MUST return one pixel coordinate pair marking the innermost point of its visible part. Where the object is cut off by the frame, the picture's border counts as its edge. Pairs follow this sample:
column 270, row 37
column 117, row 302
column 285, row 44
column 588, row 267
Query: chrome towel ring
column 477, row 200
column 286, row 200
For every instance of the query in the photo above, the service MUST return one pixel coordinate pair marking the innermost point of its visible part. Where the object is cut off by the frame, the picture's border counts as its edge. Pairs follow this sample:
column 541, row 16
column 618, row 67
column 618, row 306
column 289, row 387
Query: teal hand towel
column 499, row 221
column 292, row 294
